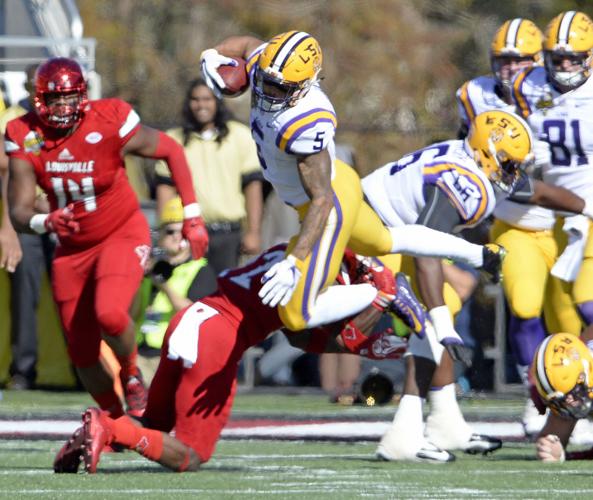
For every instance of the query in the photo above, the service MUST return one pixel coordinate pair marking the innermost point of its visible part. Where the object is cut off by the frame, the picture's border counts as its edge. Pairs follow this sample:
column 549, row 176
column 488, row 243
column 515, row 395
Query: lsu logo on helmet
column 502, row 145
column 286, row 69
column 569, row 36
column 563, row 373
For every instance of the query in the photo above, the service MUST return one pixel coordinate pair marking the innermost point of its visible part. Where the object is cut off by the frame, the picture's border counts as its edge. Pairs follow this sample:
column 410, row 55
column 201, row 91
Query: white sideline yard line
column 334, row 430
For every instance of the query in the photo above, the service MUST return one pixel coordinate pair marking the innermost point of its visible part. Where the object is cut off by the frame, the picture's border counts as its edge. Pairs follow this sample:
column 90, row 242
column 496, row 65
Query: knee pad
column 113, row 322
column 586, row 312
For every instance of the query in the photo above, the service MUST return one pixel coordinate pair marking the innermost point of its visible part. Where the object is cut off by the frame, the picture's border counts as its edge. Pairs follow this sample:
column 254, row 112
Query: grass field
column 284, row 469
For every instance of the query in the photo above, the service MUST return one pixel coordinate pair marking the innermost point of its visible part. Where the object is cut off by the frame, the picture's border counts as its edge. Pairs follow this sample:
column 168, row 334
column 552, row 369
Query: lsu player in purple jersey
column 557, row 101
column 293, row 124
column 449, row 186
column 525, row 230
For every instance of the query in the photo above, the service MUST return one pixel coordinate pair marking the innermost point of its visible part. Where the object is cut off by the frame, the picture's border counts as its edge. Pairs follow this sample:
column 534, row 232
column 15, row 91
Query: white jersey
column 396, row 190
column 281, row 136
column 479, row 95
column 565, row 122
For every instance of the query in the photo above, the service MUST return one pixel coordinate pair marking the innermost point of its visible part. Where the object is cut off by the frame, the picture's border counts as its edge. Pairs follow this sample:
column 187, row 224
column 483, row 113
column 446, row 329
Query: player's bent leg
column 560, row 312
column 322, row 265
column 118, row 276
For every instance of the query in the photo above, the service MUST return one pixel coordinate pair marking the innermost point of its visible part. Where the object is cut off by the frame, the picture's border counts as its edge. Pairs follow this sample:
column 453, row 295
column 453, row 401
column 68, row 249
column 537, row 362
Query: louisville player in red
column 194, row 385
column 74, row 150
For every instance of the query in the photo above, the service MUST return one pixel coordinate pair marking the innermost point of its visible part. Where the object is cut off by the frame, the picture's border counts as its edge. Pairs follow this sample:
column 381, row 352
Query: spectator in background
column 174, row 281
column 26, row 277
column 226, row 176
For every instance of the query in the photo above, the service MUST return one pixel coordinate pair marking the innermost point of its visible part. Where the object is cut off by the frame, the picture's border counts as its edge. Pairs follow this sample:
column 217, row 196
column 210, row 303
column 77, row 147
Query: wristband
column 192, row 210
column 37, row 223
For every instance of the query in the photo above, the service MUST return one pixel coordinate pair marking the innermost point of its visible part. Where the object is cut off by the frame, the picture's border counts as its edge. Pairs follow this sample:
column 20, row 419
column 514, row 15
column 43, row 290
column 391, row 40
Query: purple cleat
column 407, row 307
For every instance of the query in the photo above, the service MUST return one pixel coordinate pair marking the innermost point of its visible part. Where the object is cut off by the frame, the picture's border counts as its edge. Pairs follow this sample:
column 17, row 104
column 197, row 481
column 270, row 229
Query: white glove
column 542, row 153
column 549, row 449
column 280, row 282
column 210, row 61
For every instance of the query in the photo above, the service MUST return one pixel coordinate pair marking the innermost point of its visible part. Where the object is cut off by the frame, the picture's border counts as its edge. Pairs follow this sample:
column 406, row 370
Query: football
column 235, row 78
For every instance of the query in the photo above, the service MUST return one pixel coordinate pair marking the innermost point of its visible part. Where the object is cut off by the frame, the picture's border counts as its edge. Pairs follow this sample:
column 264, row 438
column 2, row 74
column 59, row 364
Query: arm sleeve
column 438, row 213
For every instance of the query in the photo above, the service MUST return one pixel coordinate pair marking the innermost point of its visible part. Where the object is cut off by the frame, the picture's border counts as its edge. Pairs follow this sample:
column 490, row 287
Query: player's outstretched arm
column 553, row 438
column 152, row 143
column 558, row 198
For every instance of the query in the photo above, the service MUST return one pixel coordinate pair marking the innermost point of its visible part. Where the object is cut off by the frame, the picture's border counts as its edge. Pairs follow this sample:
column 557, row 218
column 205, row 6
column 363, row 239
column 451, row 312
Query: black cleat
column 478, row 443
column 493, row 256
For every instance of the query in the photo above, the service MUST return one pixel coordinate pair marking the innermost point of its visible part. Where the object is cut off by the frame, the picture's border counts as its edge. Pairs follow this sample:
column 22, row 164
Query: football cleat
column 70, row 455
column 135, row 394
column 479, row 443
column 96, row 436
column 406, row 306
column 426, row 453
column 493, row 257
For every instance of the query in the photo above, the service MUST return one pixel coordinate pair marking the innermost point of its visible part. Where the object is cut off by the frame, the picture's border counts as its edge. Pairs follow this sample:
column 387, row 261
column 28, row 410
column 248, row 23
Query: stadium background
column 391, row 68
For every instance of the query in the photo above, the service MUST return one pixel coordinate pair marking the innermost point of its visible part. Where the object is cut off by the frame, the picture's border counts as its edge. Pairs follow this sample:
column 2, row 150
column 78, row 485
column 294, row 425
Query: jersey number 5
column 73, row 191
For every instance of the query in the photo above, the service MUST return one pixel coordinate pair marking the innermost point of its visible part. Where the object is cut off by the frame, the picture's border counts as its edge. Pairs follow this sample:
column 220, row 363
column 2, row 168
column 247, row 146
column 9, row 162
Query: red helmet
column 60, row 75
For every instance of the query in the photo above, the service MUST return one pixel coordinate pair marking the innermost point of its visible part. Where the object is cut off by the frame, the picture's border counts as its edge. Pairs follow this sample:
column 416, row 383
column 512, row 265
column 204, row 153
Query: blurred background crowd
column 391, row 68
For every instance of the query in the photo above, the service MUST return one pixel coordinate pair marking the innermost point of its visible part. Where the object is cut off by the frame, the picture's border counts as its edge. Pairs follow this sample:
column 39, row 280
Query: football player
column 73, row 149
column 449, row 186
column 557, row 101
column 525, row 230
column 563, row 373
column 293, row 124
column 194, row 386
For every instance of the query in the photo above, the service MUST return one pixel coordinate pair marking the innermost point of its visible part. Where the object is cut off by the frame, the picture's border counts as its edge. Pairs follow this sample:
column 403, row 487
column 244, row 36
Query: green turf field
column 284, row 469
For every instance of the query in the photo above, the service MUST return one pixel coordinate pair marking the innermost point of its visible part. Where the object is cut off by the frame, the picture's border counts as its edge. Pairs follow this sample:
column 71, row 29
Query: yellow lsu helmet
column 518, row 39
column 501, row 143
column 286, row 69
column 563, row 373
column 569, row 36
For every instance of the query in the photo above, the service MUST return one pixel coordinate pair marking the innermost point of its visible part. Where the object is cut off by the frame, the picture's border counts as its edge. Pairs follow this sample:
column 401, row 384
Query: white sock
column 339, row 302
column 409, row 411
column 421, row 241
column 443, row 400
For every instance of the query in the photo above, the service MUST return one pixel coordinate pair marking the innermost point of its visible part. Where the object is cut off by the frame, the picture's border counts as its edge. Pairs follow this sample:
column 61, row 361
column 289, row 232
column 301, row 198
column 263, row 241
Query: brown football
column 235, row 78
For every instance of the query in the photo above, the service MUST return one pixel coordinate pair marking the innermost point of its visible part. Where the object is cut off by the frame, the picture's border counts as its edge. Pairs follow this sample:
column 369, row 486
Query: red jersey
column 237, row 297
column 85, row 168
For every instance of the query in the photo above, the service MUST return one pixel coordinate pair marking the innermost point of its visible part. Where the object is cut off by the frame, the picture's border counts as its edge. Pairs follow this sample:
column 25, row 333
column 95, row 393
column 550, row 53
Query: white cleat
column 449, row 432
column 396, row 446
column 425, row 453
